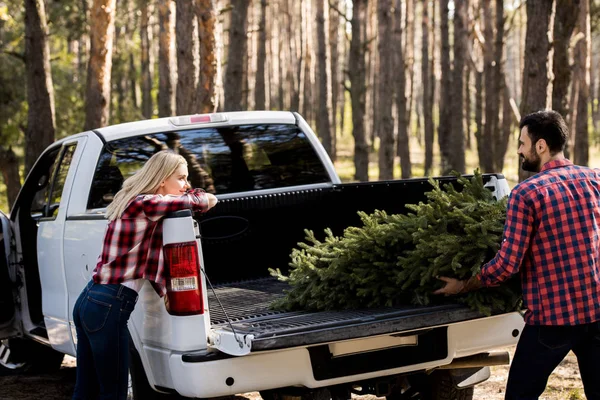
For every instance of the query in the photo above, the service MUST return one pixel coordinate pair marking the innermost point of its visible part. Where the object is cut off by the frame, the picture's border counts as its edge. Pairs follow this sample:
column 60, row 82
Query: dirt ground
column 564, row 384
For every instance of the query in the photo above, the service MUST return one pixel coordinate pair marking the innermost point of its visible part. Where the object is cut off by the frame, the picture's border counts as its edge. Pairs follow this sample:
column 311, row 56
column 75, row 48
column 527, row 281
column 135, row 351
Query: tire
column 437, row 386
column 19, row 356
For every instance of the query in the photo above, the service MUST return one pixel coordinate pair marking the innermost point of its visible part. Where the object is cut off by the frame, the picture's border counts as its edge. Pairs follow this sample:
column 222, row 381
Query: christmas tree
column 395, row 259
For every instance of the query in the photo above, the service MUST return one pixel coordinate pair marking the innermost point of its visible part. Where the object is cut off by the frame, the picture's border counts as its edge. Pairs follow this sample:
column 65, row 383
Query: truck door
column 8, row 312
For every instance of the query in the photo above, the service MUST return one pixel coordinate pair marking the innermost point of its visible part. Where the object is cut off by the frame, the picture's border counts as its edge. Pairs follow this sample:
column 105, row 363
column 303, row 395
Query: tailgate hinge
column 230, row 343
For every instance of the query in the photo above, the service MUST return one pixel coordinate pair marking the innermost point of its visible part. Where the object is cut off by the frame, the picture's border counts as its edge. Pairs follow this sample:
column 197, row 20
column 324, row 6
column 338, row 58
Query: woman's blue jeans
column 100, row 315
column 542, row 348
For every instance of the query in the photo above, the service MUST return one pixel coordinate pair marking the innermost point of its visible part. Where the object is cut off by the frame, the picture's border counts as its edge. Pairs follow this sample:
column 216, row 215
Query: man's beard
column 532, row 164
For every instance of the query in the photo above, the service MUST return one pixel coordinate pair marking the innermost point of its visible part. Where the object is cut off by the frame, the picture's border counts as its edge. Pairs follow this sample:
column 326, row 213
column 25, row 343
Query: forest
column 393, row 88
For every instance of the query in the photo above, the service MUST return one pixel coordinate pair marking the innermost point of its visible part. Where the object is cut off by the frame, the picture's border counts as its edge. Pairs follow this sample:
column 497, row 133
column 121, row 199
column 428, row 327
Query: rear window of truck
column 220, row 159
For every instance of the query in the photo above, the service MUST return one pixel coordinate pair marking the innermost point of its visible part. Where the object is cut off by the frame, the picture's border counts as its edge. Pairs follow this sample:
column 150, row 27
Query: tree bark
column 334, row 27
column 206, row 12
column 9, row 166
column 456, row 142
column 325, row 110
column 386, row 90
column 564, row 24
column 185, row 97
column 356, row 72
column 40, row 90
column 491, row 93
column 500, row 139
column 582, row 56
column 409, row 58
column 238, row 43
column 403, row 148
column 261, row 59
column 147, row 62
column 427, row 94
column 166, row 99
column 102, row 27
column 445, row 126
column 537, row 61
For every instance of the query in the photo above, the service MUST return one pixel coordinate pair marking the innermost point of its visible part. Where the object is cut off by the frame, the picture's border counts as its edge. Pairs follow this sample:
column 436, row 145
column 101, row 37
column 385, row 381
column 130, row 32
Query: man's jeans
column 542, row 348
column 100, row 315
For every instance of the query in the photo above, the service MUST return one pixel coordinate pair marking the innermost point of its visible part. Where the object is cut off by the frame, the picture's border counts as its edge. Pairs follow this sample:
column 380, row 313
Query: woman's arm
column 155, row 206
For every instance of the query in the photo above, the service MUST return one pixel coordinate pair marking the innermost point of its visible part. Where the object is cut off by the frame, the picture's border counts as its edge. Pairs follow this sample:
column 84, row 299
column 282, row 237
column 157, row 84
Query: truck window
column 57, row 182
column 220, row 159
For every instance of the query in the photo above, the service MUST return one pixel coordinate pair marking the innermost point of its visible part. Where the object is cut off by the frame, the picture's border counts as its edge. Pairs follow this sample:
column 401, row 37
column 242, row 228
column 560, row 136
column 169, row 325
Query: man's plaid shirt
column 133, row 243
column 552, row 233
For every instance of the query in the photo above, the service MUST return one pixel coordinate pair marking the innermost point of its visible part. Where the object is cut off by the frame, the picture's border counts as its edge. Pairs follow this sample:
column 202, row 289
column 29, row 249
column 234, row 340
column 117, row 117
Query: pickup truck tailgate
column 247, row 305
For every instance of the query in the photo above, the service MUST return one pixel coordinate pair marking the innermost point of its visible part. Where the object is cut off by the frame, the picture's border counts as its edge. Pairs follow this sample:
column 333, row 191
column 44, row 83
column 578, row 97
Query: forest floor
column 564, row 384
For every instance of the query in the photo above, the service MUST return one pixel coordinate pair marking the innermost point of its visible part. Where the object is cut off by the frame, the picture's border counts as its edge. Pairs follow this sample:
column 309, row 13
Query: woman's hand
column 212, row 200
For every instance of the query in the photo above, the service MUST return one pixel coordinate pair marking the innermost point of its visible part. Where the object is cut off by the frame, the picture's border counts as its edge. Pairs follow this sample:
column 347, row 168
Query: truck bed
column 247, row 306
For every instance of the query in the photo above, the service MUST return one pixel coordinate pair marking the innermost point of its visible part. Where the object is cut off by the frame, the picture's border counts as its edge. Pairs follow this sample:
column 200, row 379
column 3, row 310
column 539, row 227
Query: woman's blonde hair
column 145, row 181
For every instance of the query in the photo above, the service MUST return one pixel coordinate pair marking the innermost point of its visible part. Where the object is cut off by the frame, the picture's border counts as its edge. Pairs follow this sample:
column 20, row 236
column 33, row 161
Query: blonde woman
column 132, row 253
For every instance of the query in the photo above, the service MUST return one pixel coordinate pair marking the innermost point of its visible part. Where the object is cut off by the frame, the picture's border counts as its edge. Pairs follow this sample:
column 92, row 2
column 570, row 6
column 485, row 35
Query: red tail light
column 184, row 288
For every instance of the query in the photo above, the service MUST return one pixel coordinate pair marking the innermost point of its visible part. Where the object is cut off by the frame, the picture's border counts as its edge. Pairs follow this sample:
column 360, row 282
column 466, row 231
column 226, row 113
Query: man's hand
column 453, row 286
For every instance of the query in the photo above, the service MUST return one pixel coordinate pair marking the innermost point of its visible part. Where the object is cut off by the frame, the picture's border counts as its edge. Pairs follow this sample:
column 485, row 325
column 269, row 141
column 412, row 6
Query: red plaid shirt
column 133, row 243
column 552, row 233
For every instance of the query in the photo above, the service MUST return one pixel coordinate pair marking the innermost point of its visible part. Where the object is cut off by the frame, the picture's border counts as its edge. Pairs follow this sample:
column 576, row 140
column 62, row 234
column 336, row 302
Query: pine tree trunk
column 296, row 48
column 582, row 56
column 102, row 26
column 185, row 95
column 386, row 90
column 507, row 124
column 537, row 63
column 9, row 167
column 357, row 74
column 40, row 90
column 499, row 87
column 446, row 119
column 403, row 148
column 456, row 141
column 409, row 56
column 166, row 56
column 234, row 74
column 119, row 76
column 479, row 113
column 334, row 27
column 324, row 68
column 261, row 58
column 564, row 24
column 147, row 62
column 491, row 92
column 427, row 95
column 206, row 94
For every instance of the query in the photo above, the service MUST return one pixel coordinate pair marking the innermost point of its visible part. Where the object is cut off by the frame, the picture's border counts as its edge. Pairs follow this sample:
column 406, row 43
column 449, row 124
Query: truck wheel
column 437, row 386
column 18, row 356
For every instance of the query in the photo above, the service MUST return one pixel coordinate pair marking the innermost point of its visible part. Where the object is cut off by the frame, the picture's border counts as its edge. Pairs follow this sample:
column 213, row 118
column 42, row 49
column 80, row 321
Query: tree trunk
column 446, row 119
column 102, row 27
column 186, row 71
column 386, row 90
column 147, row 62
column 499, row 89
column 296, row 48
column 582, row 56
column 234, row 74
column 537, row 63
column 491, row 93
column 166, row 99
column 479, row 113
column 409, row 58
column 40, row 91
column 356, row 72
column 206, row 12
column 9, row 166
column 324, row 68
column 334, row 27
column 403, row 148
column 427, row 95
column 564, row 23
column 507, row 124
column 261, row 58
column 456, row 142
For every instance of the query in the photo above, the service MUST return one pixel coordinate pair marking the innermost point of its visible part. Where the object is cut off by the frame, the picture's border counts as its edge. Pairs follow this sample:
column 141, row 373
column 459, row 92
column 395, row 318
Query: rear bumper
column 298, row 366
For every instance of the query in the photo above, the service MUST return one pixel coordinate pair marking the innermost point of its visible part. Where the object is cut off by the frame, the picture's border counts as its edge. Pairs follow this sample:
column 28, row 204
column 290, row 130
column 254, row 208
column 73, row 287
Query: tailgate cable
column 237, row 339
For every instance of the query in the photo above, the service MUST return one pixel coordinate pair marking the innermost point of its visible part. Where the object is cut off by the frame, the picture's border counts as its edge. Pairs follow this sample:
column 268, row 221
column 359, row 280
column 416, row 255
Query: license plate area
column 430, row 346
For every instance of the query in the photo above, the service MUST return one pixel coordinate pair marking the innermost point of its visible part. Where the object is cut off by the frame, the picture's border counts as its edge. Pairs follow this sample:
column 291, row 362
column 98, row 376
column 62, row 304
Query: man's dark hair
column 547, row 125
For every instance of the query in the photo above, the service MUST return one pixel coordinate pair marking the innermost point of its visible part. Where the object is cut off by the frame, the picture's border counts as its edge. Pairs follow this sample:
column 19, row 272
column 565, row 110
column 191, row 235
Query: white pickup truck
column 273, row 180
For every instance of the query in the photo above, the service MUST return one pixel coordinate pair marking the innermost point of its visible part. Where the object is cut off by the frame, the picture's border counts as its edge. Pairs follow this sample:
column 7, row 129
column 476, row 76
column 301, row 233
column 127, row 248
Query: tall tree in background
column 206, row 11
column 537, row 62
column 503, row 127
column 261, row 59
column 427, row 90
column 102, row 27
column 185, row 94
column 357, row 75
column 147, row 59
column 582, row 73
column 486, row 159
column 40, row 91
column 402, row 123
column 324, row 76
column 456, row 142
column 386, row 90
column 234, row 74
column 166, row 57
column 446, row 118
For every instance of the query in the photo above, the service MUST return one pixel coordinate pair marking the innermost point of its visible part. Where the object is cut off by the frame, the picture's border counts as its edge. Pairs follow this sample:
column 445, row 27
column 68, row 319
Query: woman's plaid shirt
column 133, row 243
column 552, row 233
